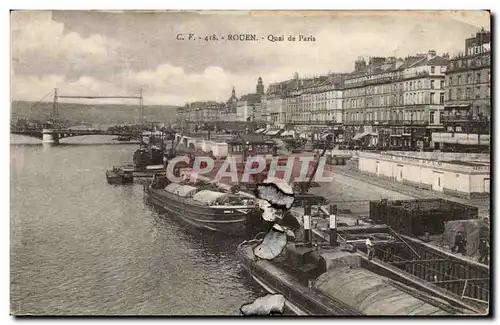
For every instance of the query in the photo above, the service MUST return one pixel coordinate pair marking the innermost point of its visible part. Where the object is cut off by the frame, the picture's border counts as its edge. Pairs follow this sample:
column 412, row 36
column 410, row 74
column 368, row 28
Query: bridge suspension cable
column 55, row 109
column 39, row 101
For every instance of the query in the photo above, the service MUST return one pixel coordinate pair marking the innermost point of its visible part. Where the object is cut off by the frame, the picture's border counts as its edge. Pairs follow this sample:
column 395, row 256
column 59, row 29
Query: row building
column 306, row 101
column 422, row 101
column 467, row 110
column 394, row 102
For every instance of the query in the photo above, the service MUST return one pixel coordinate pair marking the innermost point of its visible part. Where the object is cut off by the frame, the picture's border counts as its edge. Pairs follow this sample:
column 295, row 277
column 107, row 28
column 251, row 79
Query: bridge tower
column 141, row 108
column 55, row 108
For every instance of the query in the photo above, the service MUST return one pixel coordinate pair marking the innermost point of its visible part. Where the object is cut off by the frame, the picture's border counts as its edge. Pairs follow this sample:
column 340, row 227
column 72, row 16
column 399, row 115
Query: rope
column 33, row 106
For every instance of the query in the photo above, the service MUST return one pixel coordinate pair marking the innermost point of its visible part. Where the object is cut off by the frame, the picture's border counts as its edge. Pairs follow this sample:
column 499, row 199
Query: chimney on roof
column 431, row 54
column 359, row 64
column 399, row 62
column 377, row 60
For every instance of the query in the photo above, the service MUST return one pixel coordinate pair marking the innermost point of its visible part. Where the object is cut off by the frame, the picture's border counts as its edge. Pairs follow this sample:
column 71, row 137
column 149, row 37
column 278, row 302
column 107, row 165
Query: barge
column 333, row 274
column 120, row 175
column 206, row 209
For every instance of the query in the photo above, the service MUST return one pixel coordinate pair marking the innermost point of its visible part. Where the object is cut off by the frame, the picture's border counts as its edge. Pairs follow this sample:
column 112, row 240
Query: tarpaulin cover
column 208, row 197
column 186, row 190
column 172, row 187
column 371, row 294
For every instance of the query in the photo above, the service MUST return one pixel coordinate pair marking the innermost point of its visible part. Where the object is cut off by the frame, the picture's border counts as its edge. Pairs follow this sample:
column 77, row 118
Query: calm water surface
column 81, row 246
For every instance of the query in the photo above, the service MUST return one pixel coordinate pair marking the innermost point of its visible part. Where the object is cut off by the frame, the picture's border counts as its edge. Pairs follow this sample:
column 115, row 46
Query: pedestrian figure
column 459, row 243
column 484, row 249
column 369, row 248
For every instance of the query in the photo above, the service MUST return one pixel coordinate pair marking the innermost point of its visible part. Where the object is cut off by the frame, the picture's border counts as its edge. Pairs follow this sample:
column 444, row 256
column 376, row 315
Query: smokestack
column 307, row 223
column 333, row 225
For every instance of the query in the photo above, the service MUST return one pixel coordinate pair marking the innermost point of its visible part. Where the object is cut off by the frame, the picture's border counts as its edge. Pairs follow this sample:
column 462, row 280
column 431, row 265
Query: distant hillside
column 96, row 114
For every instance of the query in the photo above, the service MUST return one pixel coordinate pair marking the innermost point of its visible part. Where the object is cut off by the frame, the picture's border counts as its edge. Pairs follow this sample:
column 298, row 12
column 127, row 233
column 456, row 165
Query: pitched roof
column 251, row 98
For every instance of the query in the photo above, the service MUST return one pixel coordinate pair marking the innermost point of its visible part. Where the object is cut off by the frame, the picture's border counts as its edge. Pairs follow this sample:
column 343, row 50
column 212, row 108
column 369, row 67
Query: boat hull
column 300, row 299
column 117, row 179
column 229, row 221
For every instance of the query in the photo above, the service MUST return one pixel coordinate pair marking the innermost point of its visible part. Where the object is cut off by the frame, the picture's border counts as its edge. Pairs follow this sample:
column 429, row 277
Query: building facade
column 316, row 100
column 276, row 101
column 306, row 101
column 250, row 108
column 394, row 102
column 467, row 113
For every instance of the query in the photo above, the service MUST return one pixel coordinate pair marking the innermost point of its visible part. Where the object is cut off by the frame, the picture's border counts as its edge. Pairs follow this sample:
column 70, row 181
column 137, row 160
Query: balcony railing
column 465, row 119
column 388, row 122
column 388, row 79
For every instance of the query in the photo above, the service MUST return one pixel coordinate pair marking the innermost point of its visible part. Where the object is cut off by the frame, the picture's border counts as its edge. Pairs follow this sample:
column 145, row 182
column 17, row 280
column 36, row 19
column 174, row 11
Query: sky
column 117, row 53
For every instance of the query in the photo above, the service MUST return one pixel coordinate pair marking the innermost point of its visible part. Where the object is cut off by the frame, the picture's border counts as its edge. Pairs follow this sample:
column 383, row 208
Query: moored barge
column 334, row 274
column 120, row 175
column 205, row 209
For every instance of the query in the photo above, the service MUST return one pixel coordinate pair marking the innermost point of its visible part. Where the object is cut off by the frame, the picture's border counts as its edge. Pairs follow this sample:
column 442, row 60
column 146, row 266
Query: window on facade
column 469, row 79
column 432, row 98
column 488, row 91
column 467, row 93
column 459, row 93
column 441, row 84
column 459, row 82
column 478, row 77
column 449, row 95
column 433, row 69
column 432, row 118
column 441, row 98
column 478, row 91
column 450, row 81
column 441, row 116
column 432, row 84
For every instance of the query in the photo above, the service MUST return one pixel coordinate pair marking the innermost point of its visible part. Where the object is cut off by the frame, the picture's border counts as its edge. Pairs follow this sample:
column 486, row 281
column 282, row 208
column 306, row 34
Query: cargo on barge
column 336, row 273
column 206, row 209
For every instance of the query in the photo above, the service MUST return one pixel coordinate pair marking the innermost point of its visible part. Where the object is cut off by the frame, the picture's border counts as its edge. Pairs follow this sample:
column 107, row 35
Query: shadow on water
column 210, row 241
column 82, row 144
column 209, row 245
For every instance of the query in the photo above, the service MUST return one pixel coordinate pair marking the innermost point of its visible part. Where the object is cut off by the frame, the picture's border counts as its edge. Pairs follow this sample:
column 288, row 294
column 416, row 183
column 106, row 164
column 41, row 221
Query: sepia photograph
column 243, row 163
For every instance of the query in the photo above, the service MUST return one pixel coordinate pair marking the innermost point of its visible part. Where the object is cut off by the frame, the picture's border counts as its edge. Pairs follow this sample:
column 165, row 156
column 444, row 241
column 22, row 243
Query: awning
column 360, row 135
column 260, row 131
column 272, row 132
column 458, row 105
column 288, row 133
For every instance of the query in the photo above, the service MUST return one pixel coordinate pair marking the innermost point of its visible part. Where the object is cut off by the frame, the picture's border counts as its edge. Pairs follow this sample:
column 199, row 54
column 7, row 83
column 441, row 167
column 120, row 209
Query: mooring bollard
column 333, row 225
column 307, row 223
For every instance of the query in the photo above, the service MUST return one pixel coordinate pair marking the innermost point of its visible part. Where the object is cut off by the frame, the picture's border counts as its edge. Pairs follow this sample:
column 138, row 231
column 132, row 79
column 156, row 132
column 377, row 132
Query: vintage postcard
column 250, row 163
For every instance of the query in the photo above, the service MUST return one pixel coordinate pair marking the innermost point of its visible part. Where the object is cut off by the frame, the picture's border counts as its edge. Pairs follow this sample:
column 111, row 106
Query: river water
column 82, row 247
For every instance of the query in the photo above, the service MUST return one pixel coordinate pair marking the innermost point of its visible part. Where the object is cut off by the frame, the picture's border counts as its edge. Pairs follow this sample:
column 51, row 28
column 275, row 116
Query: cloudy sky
column 111, row 53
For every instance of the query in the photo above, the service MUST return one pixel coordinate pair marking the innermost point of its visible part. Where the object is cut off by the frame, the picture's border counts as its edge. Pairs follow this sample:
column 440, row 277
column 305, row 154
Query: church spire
column 233, row 93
